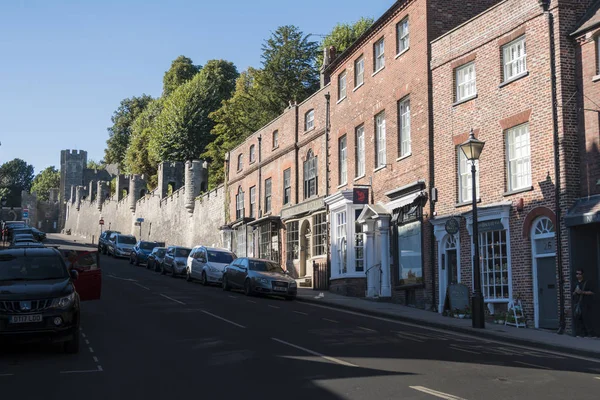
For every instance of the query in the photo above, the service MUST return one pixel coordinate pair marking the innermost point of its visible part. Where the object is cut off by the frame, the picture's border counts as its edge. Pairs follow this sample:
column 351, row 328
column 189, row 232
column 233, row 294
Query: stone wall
column 166, row 220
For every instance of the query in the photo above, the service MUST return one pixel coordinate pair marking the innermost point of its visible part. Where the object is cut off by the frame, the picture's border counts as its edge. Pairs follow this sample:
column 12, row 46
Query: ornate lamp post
column 472, row 149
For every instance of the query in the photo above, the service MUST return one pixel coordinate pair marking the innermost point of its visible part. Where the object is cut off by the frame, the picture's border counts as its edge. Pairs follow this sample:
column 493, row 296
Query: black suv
column 38, row 300
column 103, row 241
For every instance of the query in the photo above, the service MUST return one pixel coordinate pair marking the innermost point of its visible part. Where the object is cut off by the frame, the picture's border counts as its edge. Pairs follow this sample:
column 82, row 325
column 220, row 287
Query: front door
column 452, row 266
column 547, row 292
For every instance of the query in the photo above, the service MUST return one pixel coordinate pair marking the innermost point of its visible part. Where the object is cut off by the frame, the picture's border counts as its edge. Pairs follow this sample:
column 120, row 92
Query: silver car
column 255, row 275
column 208, row 264
column 175, row 260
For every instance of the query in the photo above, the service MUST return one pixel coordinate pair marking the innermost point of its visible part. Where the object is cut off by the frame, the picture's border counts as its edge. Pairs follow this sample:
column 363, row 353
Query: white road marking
column 100, row 368
column 172, row 299
column 407, row 336
column 95, row 359
column 91, row 350
column 87, row 341
column 142, row 286
column 121, row 279
column 273, row 306
column 435, row 393
column 301, row 313
column 367, row 329
column 87, row 371
column 314, row 353
column 223, row 319
column 232, row 297
column 83, row 335
column 251, row 301
column 456, row 334
column 598, row 377
column 463, row 350
column 531, row 365
column 330, row 320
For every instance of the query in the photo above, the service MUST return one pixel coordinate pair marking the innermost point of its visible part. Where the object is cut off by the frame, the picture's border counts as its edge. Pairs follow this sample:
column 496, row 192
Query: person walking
column 583, row 299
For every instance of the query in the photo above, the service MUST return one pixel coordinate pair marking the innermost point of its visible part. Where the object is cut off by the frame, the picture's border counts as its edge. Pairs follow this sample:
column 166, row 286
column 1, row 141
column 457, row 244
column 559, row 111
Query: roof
column 31, row 251
column 590, row 20
column 584, row 211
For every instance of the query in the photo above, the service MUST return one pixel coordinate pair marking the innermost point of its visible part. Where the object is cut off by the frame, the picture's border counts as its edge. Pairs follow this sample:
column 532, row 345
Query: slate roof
column 590, row 20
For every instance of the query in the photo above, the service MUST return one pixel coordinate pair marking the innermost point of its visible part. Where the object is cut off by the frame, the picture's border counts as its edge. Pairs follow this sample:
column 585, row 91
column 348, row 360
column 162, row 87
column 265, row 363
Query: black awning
column 585, row 211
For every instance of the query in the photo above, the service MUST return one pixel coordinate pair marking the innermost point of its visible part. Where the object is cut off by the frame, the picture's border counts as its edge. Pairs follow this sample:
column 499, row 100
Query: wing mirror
column 74, row 274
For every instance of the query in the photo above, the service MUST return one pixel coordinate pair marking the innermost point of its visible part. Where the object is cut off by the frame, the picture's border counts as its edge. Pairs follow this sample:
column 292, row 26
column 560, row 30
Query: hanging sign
column 452, row 226
column 360, row 196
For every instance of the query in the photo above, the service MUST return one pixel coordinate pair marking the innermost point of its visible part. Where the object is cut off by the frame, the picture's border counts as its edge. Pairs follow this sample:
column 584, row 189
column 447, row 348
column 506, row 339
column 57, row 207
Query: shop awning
column 585, row 211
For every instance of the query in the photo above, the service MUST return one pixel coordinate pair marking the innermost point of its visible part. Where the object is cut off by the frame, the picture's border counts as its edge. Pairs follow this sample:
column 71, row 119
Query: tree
column 343, row 36
column 289, row 67
column 120, row 131
column 183, row 125
column 15, row 176
column 182, row 70
column 96, row 164
column 44, row 181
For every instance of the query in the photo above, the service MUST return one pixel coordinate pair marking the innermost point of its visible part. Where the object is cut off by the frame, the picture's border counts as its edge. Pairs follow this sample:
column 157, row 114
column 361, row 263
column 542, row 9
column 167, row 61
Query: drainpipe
column 296, row 157
column 545, row 4
column 432, row 189
column 259, row 199
column 327, row 127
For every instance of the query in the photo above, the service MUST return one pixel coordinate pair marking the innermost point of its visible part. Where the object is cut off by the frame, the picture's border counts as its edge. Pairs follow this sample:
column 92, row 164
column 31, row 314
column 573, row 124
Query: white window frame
column 252, row 202
column 404, row 127
column 359, row 135
column 597, row 55
column 359, row 71
column 380, row 141
column 342, row 85
column 252, row 154
column 343, row 160
column 239, row 204
column 287, row 184
column 240, row 162
column 378, row 55
column 466, row 82
column 514, row 57
column 275, row 139
column 309, row 120
column 402, row 36
column 465, row 177
column 341, row 236
column 518, row 157
column 241, row 250
column 268, row 195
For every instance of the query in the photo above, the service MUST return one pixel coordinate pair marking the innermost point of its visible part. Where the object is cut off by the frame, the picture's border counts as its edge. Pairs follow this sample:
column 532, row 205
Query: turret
column 79, row 193
column 53, row 195
column 103, row 193
column 137, row 189
column 193, row 182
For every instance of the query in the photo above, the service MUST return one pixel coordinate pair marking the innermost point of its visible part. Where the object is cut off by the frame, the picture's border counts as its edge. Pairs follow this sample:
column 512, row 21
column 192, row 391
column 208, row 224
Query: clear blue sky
column 66, row 65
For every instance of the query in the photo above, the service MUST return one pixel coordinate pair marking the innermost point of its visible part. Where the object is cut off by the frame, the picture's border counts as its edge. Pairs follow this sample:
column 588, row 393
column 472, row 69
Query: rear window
column 148, row 245
column 182, row 252
column 222, row 257
column 31, row 268
column 126, row 239
column 161, row 252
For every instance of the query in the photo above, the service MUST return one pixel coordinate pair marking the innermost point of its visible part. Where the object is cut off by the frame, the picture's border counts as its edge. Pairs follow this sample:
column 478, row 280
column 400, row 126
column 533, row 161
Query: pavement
column 153, row 336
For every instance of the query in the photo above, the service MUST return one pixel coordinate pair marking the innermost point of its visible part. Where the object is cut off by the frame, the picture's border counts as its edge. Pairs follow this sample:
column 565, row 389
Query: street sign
column 137, row 223
column 101, row 222
column 26, row 210
column 25, row 214
column 140, row 220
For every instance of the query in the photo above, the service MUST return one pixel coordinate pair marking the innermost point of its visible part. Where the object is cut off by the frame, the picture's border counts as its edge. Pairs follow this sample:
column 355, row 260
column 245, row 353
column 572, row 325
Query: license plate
column 280, row 289
column 24, row 319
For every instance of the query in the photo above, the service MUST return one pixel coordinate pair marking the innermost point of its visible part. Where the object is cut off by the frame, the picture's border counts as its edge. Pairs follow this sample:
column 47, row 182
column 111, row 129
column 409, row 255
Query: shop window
column 268, row 242
column 494, row 265
column 241, row 241
column 359, row 248
column 409, row 252
column 319, row 234
column 341, row 242
column 292, row 241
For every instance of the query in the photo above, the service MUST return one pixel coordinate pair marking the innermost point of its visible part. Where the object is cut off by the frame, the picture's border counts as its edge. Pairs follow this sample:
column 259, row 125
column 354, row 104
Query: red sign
column 360, row 196
column 101, row 222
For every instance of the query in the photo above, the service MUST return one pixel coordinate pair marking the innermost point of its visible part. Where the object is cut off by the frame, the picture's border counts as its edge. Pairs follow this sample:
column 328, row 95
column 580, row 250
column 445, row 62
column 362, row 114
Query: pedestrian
column 583, row 299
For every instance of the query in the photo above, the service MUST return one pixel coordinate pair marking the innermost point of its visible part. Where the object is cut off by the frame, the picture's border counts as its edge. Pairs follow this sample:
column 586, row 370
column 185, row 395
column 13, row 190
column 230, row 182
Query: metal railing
column 320, row 276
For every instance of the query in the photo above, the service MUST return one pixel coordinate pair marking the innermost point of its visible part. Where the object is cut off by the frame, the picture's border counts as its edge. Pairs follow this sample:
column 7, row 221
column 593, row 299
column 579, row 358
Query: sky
column 66, row 65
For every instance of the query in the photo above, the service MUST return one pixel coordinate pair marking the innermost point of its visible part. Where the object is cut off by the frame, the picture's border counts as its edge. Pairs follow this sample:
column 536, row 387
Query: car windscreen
column 31, row 268
column 161, row 252
column 264, row 266
column 148, row 245
column 182, row 252
column 222, row 257
column 126, row 240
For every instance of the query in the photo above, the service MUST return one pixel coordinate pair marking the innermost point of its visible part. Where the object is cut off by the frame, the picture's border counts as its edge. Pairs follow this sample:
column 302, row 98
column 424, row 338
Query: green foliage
column 182, row 70
column 120, row 131
column 44, row 181
column 184, row 125
column 96, row 164
column 343, row 35
column 15, row 176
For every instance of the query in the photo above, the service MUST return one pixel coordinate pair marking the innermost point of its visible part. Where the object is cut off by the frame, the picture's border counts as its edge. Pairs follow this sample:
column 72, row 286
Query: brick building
column 501, row 83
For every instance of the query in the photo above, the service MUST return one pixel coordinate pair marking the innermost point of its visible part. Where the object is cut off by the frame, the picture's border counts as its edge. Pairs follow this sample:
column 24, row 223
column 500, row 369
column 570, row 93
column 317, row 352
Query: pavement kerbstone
column 521, row 336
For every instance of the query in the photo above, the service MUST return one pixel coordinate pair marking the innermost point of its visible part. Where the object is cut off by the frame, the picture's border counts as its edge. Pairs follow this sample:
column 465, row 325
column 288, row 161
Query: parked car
column 255, row 275
column 22, row 238
column 155, row 259
column 140, row 252
column 9, row 226
column 40, row 294
column 103, row 241
column 175, row 260
column 120, row 245
column 207, row 264
column 38, row 235
column 19, row 230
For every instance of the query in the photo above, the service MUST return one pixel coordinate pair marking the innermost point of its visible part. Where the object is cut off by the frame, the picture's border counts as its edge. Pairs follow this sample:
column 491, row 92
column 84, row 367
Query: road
column 158, row 337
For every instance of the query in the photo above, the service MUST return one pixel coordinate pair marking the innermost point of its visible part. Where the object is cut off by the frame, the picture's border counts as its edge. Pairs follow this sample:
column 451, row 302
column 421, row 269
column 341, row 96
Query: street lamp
column 472, row 149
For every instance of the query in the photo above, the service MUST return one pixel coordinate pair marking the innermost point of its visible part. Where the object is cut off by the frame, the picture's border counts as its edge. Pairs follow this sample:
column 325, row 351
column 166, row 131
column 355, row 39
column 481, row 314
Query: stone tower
column 170, row 173
column 102, row 194
column 137, row 189
column 196, row 176
column 72, row 166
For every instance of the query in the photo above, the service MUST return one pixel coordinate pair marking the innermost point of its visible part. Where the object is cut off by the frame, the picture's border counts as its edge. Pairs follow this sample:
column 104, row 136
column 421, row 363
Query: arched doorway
column 305, row 247
column 449, row 261
column 545, row 292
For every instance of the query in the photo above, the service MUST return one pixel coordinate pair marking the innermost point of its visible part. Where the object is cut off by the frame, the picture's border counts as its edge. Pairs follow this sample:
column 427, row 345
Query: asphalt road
column 158, row 337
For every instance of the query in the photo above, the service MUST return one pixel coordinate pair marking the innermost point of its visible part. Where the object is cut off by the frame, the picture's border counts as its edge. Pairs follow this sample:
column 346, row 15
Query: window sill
column 404, row 157
column 379, row 70
column 342, row 185
column 359, row 177
column 465, row 100
column 251, row 162
column 275, row 148
column 596, row 78
column 340, row 100
column 380, row 168
column 308, row 130
column 402, row 52
column 358, row 87
column 514, row 78
column 466, row 203
column 240, row 170
column 516, row 191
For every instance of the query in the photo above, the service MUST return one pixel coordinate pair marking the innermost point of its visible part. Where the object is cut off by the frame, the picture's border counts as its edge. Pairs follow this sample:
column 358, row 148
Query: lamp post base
column 478, row 312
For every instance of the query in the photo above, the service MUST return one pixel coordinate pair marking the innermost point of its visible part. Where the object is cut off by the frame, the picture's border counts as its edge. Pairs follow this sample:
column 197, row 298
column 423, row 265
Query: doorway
column 449, row 272
column 543, row 246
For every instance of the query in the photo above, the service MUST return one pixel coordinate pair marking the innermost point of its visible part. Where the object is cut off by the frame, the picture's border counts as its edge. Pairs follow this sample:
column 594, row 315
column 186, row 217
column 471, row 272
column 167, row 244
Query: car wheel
column 162, row 269
column 188, row 275
column 204, row 279
column 226, row 286
column 247, row 288
column 72, row 346
column 137, row 262
column 130, row 260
